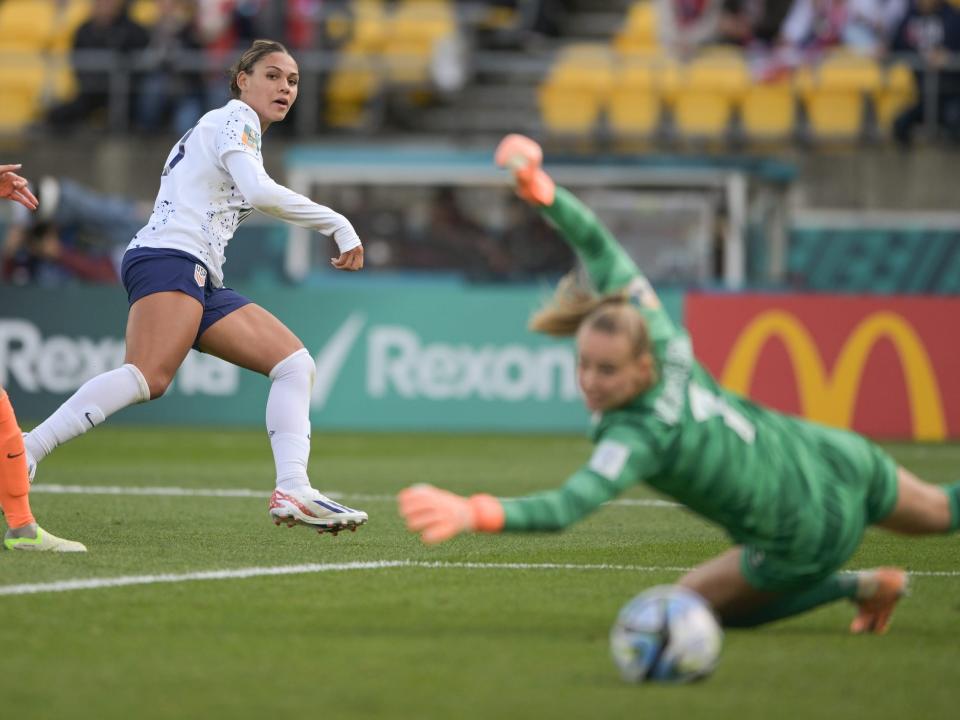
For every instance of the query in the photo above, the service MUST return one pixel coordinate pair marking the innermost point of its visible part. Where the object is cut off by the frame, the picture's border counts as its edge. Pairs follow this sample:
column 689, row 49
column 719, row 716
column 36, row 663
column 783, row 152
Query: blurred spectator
column 75, row 234
column 864, row 26
column 168, row 93
column 109, row 29
column 685, row 25
column 871, row 23
column 813, row 26
column 931, row 33
column 744, row 22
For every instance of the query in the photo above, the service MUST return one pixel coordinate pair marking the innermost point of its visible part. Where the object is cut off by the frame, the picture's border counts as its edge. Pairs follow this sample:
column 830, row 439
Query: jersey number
column 705, row 405
column 181, row 152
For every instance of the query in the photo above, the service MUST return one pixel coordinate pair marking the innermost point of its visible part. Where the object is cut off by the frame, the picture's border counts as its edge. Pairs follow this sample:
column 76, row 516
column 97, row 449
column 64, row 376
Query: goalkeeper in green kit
column 795, row 497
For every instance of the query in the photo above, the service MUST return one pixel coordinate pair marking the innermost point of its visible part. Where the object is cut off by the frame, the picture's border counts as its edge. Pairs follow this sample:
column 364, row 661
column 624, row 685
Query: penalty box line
column 311, row 568
column 156, row 491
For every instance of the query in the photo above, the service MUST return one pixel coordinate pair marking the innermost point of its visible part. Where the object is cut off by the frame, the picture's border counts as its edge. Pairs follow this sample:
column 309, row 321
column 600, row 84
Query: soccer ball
column 666, row 634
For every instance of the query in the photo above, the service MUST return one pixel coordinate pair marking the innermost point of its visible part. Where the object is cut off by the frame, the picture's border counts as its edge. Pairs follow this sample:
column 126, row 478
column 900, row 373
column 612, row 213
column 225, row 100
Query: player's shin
column 14, row 484
column 95, row 401
column 288, row 418
column 833, row 588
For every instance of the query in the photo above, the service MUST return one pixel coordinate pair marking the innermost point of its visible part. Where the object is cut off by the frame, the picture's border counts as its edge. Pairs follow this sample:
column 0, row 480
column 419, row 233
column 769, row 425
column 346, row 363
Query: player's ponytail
column 574, row 305
column 256, row 52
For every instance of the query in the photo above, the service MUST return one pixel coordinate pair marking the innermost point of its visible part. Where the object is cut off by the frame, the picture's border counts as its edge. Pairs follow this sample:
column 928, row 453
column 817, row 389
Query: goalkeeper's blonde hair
column 574, row 306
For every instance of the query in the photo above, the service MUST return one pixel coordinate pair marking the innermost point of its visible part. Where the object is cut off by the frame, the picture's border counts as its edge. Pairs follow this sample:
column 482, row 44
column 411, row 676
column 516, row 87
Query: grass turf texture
column 414, row 641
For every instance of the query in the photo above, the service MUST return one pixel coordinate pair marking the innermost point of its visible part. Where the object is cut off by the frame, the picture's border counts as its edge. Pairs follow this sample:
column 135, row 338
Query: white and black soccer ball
column 666, row 634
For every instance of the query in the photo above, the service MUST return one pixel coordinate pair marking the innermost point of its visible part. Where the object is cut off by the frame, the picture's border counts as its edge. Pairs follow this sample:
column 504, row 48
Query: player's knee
column 158, row 381
column 299, row 363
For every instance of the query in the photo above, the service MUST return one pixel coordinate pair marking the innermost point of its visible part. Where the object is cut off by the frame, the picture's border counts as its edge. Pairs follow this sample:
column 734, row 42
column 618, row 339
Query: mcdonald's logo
column 829, row 395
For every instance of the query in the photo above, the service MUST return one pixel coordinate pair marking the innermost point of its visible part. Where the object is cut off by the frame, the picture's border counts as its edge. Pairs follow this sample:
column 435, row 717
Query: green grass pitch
column 417, row 641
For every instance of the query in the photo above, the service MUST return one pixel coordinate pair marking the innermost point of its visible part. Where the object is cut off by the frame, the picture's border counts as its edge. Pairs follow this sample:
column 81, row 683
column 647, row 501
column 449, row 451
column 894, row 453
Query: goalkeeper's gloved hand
column 524, row 157
column 439, row 515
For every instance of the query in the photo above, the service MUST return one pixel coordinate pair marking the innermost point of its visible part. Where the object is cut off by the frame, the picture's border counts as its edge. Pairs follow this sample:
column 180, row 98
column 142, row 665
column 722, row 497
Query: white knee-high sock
column 288, row 418
column 95, row 401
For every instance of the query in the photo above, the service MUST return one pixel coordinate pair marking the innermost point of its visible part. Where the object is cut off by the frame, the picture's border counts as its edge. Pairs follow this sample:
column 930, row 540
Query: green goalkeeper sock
column 835, row 587
column 953, row 494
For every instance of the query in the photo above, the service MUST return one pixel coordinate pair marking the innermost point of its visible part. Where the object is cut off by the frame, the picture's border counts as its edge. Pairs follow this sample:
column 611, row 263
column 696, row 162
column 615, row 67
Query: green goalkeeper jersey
column 767, row 478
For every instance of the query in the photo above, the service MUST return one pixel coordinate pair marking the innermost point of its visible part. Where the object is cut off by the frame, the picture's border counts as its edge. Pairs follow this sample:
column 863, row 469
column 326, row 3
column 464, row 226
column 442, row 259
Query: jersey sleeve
column 609, row 266
column 271, row 198
column 622, row 458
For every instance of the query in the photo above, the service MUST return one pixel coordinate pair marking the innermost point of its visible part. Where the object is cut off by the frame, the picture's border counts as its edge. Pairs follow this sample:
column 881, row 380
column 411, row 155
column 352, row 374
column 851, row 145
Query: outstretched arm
column 271, row 198
column 609, row 266
column 618, row 462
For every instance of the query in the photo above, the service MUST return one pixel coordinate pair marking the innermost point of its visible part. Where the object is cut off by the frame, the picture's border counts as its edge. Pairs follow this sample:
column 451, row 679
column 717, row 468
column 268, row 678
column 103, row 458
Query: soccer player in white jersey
column 173, row 273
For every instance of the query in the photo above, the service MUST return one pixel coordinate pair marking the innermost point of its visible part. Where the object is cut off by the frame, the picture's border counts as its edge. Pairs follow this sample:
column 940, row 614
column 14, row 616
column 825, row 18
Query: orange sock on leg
column 14, row 482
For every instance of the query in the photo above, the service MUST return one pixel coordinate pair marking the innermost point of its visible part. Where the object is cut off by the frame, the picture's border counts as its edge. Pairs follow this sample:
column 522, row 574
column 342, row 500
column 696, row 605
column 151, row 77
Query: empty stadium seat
column 353, row 85
column 26, row 24
column 636, row 101
column 415, row 28
column 711, row 87
column 768, row 111
column 835, row 95
column 576, row 89
column 639, row 34
column 22, row 77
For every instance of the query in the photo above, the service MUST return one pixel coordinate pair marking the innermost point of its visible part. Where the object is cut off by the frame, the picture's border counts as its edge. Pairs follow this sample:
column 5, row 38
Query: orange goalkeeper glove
column 524, row 157
column 439, row 515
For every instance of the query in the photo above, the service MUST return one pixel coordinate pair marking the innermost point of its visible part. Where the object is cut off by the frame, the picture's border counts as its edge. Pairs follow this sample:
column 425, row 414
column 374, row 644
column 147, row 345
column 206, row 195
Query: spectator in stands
column 168, row 91
column 746, row 22
column 77, row 234
column 685, row 25
column 813, row 26
column 930, row 32
column 110, row 30
column 864, row 26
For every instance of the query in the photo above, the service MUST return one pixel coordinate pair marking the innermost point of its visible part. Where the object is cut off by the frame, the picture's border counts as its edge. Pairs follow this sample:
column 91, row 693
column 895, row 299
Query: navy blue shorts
column 145, row 271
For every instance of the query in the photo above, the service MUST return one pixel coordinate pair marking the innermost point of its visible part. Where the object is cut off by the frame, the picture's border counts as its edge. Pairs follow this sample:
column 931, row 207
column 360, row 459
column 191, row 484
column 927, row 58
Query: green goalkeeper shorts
column 856, row 486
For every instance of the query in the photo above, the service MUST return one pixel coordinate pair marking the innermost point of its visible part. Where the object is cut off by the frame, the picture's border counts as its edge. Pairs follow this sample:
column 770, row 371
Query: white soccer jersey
column 213, row 179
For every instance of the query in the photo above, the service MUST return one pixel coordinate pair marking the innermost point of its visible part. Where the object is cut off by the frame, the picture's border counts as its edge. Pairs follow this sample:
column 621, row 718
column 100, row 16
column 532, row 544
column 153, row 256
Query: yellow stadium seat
column 26, row 24
column 22, row 78
column 413, row 32
column 566, row 111
column 899, row 92
column 352, row 85
column 634, row 113
column 768, row 112
column 834, row 96
column 639, row 34
column 833, row 114
column 144, row 12
column 725, row 74
column 636, row 100
column 702, row 115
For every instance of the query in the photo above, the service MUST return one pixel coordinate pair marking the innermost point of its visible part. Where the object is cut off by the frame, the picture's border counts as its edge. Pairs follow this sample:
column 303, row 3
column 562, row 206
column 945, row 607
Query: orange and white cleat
column 524, row 157
column 882, row 589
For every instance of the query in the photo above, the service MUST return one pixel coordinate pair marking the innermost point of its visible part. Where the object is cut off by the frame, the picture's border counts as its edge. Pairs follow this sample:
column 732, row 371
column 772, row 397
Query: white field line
column 241, row 573
column 244, row 493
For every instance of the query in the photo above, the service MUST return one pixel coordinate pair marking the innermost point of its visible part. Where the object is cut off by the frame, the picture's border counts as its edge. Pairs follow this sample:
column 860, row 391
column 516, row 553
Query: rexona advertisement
column 400, row 356
column 888, row 367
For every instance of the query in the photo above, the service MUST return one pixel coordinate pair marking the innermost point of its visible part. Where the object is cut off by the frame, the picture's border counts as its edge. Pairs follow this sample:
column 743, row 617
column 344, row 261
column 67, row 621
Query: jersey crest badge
column 200, row 275
column 250, row 138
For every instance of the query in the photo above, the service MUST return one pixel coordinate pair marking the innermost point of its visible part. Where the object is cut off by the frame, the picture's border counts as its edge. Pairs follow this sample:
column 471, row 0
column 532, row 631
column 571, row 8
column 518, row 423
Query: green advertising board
column 390, row 356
